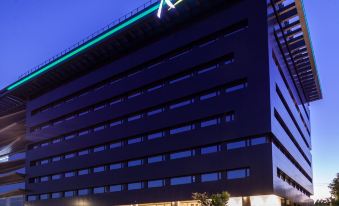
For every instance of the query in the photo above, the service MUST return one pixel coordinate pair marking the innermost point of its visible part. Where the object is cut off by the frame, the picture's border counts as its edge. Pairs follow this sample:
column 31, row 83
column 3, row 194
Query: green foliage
column 334, row 188
column 219, row 199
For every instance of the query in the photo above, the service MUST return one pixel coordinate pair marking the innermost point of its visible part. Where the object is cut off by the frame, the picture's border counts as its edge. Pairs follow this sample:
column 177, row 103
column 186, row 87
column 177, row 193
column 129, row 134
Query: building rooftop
column 141, row 24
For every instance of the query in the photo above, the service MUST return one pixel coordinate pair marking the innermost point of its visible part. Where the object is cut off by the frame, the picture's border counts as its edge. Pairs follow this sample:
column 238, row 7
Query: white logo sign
column 168, row 2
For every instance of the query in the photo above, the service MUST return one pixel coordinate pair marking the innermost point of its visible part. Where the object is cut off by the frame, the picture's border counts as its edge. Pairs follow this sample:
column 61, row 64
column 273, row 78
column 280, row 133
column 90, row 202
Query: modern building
column 213, row 96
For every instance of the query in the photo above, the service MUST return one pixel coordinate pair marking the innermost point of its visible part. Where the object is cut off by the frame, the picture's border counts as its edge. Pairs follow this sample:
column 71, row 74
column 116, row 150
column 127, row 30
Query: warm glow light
column 265, row 200
column 235, row 201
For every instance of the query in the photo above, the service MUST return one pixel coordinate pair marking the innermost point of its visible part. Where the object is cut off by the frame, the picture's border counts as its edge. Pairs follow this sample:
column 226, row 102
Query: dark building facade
column 213, row 96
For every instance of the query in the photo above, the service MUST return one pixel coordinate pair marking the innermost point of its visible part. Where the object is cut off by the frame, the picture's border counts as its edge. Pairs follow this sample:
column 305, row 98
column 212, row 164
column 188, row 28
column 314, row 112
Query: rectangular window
column 56, row 195
column 181, row 180
column 44, row 197
column 56, row 141
column 230, row 117
column 209, row 122
column 115, row 188
column 69, row 137
column 44, row 144
column 258, row 140
column 99, row 128
column 99, row 107
column 69, row 156
column 134, row 95
column 210, row 149
column 154, row 112
column 134, row 163
column 181, row 129
column 204, row 70
column 155, row 183
column 99, row 149
column 155, row 135
column 181, row 78
column 115, row 166
column 115, row 145
column 156, row 87
column 56, row 177
column 210, row 177
column 69, row 174
column 44, row 179
column 135, row 117
column 43, row 162
column 83, row 152
column 32, row 198
column 236, row 87
column 99, row 169
column 83, row 172
column 115, row 101
column 98, row 190
column 236, row 145
column 115, row 123
column 83, row 192
column 208, row 96
column 155, row 159
column 85, row 132
column 134, row 186
column 69, row 194
column 183, row 154
column 180, row 104
column 83, row 113
column 238, row 174
column 134, row 140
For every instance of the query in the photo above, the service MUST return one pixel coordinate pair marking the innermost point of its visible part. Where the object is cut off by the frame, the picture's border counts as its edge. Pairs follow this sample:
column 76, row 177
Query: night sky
column 31, row 31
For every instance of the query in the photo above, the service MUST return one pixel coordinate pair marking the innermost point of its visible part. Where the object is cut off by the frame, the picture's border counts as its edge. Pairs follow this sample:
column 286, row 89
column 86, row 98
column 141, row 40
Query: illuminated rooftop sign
column 107, row 34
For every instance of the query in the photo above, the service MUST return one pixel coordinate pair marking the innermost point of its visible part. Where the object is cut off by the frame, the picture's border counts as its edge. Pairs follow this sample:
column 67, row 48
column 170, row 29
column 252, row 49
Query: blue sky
column 35, row 30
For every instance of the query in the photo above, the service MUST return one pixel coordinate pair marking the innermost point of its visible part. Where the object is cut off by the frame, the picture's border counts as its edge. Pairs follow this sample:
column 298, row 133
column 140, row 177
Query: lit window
column 236, row 145
column 115, row 188
column 99, row 107
column 155, row 135
column 99, row 128
column 115, row 101
column 181, row 180
column 134, row 186
column 179, row 79
column 230, row 117
column 115, row 123
column 154, row 88
column 43, row 162
column 99, row 169
column 155, row 183
column 210, row 149
column 69, row 156
column 184, row 154
column 133, row 95
column 83, row 132
column 32, row 198
column 134, row 163
column 84, row 152
column 44, row 179
column 83, row 192
column 181, row 104
column 208, row 96
column 210, row 177
column 182, row 129
column 83, row 172
column 56, row 195
column 69, row 194
column 115, row 145
column 56, row 141
column 98, row 190
column 238, row 174
column 68, row 137
column 115, row 166
column 208, row 123
column 155, row 159
column 44, row 144
column 44, row 197
column 236, row 87
column 56, row 177
column 135, row 117
column 259, row 140
column 83, row 113
column 69, row 174
column 204, row 70
column 154, row 112
column 99, row 149
column 134, row 140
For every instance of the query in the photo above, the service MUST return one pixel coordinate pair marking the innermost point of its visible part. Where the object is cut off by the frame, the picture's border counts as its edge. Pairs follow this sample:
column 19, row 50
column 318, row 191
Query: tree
column 219, row 199
column 334, row 188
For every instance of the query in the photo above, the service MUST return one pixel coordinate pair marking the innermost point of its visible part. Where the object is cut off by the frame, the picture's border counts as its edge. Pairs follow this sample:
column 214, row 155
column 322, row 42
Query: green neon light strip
column 85, row 46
